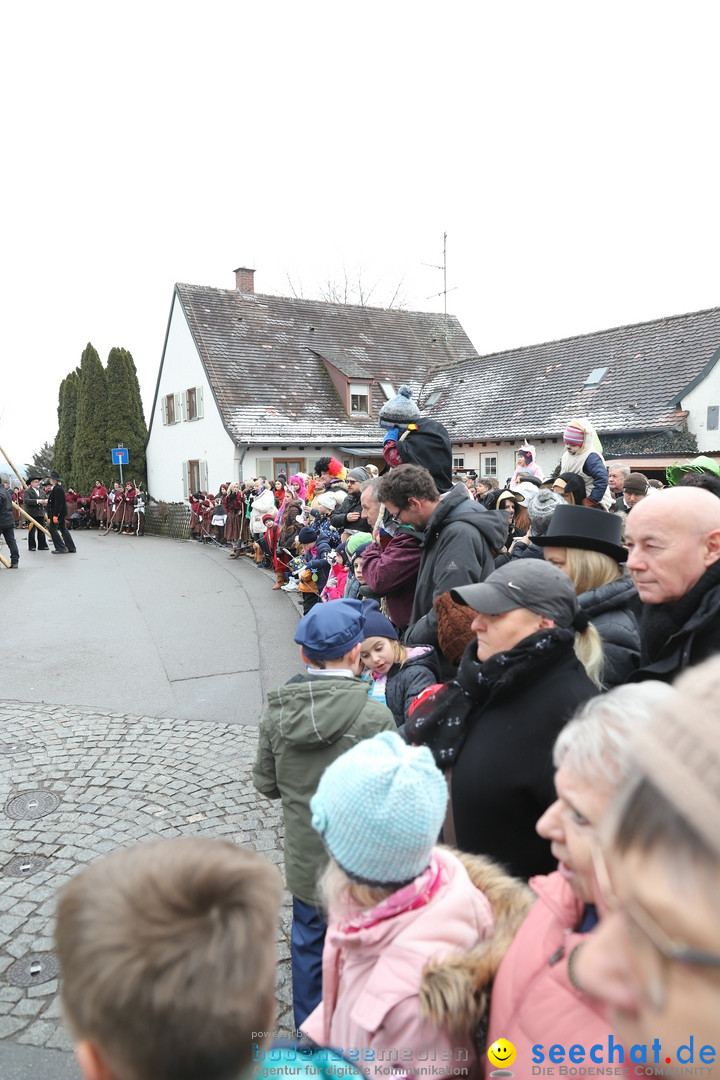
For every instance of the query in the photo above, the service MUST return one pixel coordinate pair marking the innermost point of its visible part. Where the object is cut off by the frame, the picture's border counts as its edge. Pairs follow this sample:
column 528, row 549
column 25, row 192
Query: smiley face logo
column 501, row 1054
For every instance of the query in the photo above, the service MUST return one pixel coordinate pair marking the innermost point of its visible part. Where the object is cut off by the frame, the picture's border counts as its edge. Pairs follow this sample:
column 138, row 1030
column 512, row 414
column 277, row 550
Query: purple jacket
column 391, row 571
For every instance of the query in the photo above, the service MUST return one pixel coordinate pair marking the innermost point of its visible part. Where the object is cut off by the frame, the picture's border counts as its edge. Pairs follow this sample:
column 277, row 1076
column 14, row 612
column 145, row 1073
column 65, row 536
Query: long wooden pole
column 4, row 561
column 14, row 468
column 32, row 519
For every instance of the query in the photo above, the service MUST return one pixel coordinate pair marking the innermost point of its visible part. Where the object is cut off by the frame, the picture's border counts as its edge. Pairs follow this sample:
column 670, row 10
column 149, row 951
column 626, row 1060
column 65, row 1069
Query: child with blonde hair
column 396, row 904
column 399, row 672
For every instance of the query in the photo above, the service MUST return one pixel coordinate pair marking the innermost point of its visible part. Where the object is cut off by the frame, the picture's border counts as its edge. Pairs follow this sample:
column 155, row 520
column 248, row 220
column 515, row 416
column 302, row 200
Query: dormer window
column 595, row 377
column 359, row 399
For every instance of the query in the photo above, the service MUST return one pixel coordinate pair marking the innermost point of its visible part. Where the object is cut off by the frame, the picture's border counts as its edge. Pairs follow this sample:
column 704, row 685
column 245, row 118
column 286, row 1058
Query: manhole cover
column 13, row 747
column 25, row 865
column 31, row 804
column 34, row 968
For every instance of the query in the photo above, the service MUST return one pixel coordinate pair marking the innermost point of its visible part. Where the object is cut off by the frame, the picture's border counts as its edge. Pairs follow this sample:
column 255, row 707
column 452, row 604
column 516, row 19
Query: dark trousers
column 35, row 534
column 309, row 600
column 61, row 537
column 8, row 532
column 307, row 938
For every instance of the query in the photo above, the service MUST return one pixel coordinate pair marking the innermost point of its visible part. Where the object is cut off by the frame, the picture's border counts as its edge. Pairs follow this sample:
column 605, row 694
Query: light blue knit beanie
column 379, row 809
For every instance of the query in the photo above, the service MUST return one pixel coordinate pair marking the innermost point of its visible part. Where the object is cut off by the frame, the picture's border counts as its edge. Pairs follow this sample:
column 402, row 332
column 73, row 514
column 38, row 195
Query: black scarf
column 660, row 622
column 442, row 720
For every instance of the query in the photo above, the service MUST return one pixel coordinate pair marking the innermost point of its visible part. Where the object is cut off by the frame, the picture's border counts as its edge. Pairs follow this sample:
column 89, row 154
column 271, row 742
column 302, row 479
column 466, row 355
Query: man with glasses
column 459, row 539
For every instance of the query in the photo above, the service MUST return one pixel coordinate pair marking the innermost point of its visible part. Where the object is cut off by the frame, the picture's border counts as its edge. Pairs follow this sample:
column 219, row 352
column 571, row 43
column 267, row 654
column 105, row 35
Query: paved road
column 134, row 679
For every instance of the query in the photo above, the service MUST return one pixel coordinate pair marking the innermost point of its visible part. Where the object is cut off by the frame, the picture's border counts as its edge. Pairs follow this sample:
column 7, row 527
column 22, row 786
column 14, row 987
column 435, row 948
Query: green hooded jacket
column 307, row 724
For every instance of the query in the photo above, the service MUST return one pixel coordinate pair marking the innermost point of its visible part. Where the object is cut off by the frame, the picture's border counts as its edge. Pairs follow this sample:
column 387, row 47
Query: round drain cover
column 31, row 804
column 34, row 968
column 25, row 865
column 13, row 747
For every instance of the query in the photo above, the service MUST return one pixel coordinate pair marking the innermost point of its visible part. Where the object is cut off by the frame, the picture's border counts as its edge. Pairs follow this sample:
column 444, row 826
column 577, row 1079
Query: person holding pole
column 34, row 503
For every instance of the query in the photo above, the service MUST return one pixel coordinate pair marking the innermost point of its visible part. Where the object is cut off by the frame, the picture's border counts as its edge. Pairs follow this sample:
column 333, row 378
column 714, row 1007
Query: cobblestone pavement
column 103, row 780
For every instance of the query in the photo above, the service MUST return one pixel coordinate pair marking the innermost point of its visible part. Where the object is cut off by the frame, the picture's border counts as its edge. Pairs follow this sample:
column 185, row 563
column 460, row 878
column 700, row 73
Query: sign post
column 120, row 457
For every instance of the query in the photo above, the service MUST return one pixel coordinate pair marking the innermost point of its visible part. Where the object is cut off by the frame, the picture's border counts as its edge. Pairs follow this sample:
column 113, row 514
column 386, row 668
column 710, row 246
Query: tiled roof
column 263, row 356
column 535, row 391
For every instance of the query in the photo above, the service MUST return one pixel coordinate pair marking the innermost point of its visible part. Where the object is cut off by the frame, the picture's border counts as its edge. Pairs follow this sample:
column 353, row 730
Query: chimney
column 245, row 280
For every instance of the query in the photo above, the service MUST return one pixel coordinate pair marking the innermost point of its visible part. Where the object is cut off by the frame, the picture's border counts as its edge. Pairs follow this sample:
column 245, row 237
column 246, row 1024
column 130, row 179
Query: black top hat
column 586, row 528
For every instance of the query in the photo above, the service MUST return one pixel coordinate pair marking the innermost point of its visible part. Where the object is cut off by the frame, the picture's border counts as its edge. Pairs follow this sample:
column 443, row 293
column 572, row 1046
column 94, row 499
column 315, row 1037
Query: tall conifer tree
column 91, row 452
column 126, row 421
column 67, row 423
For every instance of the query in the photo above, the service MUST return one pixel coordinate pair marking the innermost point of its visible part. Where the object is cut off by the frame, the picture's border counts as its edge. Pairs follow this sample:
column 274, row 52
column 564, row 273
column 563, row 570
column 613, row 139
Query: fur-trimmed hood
column 454, row 993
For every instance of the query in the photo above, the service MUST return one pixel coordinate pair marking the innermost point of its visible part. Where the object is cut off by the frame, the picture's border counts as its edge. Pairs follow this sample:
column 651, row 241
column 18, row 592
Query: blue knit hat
column 379, row 809
column 307, row 535
column 377, row 624
column 329, row 631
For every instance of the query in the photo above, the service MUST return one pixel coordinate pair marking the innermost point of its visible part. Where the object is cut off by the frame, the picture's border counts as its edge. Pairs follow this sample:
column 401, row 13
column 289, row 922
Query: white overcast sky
column 569, row 150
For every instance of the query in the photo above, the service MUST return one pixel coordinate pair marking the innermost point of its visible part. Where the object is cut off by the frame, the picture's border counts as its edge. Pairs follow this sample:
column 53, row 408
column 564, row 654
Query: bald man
column 673, row 539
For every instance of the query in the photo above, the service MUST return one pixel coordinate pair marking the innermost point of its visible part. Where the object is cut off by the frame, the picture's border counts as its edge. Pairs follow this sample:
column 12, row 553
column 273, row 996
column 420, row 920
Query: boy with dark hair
column 307, row 724
column 167, row 957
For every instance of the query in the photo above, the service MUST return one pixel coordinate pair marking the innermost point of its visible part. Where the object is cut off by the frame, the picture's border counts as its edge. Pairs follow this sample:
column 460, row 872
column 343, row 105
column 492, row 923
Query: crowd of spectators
column 527, row 672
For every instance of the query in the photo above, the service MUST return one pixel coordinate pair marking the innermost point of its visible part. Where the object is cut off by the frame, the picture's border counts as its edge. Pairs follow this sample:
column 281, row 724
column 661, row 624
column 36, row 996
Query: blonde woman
column 586, row 545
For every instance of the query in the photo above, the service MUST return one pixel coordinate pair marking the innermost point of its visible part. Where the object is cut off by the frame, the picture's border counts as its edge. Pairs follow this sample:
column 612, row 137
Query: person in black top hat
column 34, row 502
column 586, row 545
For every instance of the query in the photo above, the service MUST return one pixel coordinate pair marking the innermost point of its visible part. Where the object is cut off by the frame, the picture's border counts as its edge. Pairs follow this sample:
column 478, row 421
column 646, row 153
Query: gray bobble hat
column 400, row 410
column 541, row 508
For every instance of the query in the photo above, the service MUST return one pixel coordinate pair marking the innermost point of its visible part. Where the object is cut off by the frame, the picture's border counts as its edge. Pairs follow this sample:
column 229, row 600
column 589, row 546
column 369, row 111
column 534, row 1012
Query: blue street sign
column 120, row 455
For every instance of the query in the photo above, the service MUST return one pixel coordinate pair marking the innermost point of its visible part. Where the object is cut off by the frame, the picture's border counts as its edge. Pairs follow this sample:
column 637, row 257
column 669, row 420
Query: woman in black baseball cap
column 495, row 724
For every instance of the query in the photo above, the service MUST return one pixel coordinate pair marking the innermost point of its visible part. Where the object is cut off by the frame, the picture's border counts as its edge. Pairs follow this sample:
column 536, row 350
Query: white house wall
column 204, row 439
column 697, row 402
column 479, row 457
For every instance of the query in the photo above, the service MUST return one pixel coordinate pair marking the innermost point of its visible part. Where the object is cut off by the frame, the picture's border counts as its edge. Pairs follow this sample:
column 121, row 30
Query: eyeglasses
column 396, row 516
column 652, row 948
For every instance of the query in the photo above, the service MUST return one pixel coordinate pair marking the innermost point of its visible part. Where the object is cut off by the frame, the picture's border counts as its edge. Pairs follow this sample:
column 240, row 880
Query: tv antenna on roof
column 445, row 289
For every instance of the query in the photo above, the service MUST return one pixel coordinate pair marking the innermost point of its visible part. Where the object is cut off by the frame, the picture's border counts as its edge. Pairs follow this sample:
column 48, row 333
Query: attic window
column 595, row 377
column 359, row 399
column 433, row 399
column 387, row 389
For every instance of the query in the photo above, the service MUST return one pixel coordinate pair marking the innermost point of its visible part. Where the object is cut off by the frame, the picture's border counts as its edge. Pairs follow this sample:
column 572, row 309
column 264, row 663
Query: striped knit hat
column 379, row 809
column 573, row 435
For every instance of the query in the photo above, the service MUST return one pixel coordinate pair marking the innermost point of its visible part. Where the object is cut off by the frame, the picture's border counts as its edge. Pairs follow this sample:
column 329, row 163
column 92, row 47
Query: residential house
column 257, row 385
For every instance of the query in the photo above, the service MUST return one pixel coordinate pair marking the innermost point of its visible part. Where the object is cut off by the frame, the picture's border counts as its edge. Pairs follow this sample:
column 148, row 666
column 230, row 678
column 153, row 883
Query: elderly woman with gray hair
column 654, row 959
column 535, row 996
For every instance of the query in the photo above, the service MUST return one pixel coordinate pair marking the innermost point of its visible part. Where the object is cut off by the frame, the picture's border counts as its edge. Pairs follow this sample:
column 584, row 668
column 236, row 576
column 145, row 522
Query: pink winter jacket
column 533, row 1001
column 371, row 982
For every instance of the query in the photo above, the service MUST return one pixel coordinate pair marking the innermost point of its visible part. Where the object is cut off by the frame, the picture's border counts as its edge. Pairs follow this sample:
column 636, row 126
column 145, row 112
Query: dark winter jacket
column 56, row 504
column 458, row 547
column 674, row 636
column 611, row 609
column 405, row 681
column 350, row 505
column 6, row 515
column 307, row 724
column 520, row 550
column 391, row 571
column 496, row 725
